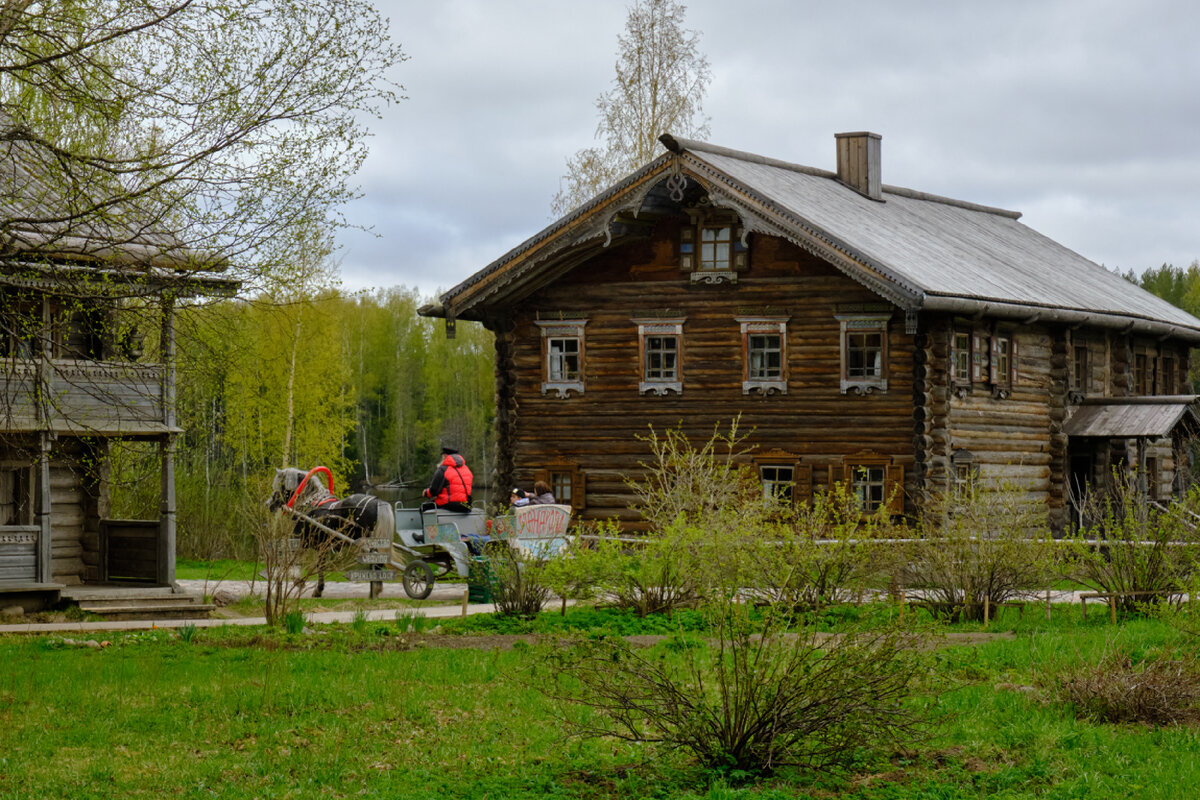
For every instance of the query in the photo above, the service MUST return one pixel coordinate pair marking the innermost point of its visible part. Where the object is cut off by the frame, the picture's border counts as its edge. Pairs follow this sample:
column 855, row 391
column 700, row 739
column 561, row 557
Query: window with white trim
column 562, row 356
column 712, row 246
column 660, row 355
column 764, row 354
column 864, row 352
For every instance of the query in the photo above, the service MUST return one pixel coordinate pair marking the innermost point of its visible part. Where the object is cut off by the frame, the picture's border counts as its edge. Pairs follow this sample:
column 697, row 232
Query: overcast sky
column 1082, row 115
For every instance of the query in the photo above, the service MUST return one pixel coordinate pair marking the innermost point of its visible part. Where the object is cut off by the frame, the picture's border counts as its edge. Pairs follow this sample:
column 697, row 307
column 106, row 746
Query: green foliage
column 812, row 556
column 516, row 578
column 978, row 543
column 294, row 622
column 1135, row 546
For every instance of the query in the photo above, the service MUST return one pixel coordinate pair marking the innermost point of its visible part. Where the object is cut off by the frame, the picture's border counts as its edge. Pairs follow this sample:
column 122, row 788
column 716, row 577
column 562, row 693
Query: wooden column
column 45, row 573
column 45, row 567
column 166, row 448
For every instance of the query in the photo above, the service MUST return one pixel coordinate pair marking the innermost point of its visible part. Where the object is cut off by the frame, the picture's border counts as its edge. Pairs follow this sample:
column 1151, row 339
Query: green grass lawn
column 348, row 711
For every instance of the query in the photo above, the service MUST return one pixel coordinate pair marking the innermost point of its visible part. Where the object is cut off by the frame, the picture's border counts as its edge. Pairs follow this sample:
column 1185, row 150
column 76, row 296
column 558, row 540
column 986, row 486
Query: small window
column 563, row 353
column 864, row 352
column 764, row 349
column 869, row 485
column 20, row 326
column 716, row 247
column 566, row 482
column 1141, row 375
column 711, row 246
column 560, row 486
column 1168, row 376
column 16, row 495
column 1003, row 363
column 1080, row 378
column 875, row 482
column 660, row 345
column 778, row 482
column 962, row 358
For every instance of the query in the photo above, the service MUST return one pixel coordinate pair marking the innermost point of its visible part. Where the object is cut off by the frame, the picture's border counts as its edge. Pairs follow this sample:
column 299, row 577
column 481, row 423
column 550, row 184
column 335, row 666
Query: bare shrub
column 750, row 700
column 1164, row 690
column 978, row 543
column 1137, row 550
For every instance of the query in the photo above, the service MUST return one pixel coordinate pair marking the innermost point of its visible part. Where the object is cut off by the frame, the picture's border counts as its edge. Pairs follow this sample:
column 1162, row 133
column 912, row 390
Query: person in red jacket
column 450, row 487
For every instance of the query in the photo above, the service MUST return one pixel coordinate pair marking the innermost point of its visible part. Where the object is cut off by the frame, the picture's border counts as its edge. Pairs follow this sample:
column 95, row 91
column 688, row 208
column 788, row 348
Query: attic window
column 562, row 356
column 710, row 246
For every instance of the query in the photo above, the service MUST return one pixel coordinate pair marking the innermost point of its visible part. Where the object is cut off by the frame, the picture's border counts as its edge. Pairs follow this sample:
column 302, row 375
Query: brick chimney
column 858, row 162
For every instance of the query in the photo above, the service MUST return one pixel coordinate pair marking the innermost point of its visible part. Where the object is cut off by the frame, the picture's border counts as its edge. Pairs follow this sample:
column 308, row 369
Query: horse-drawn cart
column 431, row 544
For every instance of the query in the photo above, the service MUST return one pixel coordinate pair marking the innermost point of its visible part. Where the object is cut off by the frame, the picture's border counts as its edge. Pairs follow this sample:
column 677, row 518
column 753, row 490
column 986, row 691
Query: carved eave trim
column 809, row 237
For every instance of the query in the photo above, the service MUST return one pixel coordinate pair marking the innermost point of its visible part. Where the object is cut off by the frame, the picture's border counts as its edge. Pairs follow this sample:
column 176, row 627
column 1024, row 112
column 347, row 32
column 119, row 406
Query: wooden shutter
column 578, row 491
column 1011, row 377
column 893, row 487
column 978, row 356
column 994, row 376
column 848, row 476
column 802, row 490
column 687, row 248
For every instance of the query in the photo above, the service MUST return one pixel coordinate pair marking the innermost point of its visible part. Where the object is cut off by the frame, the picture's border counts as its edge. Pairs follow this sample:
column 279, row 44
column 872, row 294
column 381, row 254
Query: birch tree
column 218, row 122
column 661, row 78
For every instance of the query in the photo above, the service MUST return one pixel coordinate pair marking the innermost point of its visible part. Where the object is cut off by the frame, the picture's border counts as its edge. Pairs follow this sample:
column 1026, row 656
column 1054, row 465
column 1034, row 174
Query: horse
column 355, row 516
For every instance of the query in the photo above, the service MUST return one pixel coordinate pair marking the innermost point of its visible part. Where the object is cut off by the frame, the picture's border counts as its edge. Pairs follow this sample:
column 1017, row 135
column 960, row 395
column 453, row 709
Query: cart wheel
column 418, row 580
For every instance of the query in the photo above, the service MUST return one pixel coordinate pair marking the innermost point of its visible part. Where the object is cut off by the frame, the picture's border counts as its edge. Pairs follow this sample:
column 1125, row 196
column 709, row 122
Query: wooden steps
column 137, row 602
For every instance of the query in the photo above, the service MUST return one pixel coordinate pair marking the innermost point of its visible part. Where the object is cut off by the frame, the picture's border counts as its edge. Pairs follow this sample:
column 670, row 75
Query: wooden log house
column 890, row 339
column 87, row 351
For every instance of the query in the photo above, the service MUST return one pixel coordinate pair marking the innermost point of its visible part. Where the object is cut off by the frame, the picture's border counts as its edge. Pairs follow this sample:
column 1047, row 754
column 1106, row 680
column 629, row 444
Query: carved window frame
column 756, row 326
column 1002, row 362
column 692, row 244
column 855, row 324
column 664, row 329
column 562, row 330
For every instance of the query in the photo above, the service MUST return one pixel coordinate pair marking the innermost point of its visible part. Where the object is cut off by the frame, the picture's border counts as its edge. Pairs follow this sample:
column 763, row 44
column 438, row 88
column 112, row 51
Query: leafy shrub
column 1133, row 545
column 293, row 622
column 813, row 556
column 516, row 579
column 754, row 699
column 978, row 543
column 1162, row 690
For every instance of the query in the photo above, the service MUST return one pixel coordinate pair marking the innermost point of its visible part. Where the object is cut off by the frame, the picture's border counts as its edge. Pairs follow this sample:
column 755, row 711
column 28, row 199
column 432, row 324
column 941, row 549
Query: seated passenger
column 541, row 494
column 450, row 487
column 518, row 498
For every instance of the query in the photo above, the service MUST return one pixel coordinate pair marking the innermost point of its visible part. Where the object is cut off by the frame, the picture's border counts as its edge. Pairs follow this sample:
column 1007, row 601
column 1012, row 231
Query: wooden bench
column 1112, row 598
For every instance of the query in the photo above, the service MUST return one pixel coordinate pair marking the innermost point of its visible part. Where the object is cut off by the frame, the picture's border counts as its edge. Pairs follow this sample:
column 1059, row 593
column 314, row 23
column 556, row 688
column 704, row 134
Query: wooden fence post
column 1047, row 604
column 466, row 594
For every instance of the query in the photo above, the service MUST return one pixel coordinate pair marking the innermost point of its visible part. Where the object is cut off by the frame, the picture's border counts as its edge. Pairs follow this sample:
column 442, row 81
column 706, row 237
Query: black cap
column 448, row 450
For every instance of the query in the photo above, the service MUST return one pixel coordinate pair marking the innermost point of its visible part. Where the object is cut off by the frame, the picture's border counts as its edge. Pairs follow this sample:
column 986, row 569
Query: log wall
column 598, row 430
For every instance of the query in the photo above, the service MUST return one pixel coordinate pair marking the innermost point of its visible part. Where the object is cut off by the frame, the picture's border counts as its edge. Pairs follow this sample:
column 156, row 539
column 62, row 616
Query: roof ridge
column 677, row 144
